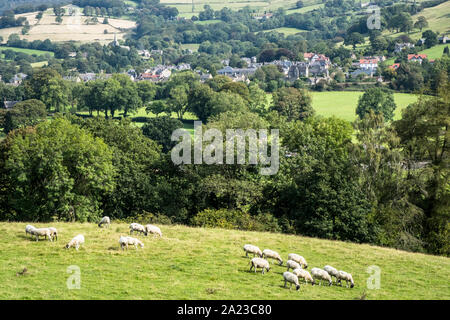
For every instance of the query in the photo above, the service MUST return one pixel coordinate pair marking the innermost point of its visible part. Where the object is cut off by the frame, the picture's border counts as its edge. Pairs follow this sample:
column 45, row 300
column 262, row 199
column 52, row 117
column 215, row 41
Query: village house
column 402, row 46
column 444, row 39
column 394, row 66
column 18, row 78
column 233, row 72
column 417, row 57
column 9, row 104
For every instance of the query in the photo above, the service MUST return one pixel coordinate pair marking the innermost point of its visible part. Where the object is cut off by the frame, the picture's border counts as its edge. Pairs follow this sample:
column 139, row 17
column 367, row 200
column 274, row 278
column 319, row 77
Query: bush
column 148, row 217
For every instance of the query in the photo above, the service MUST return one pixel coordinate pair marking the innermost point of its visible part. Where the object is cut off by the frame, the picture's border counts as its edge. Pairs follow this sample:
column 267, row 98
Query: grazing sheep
column 41, row 232
column 342, row 275
column 153, row 229
column 301, row 273
column 320, row 274
column 260, row 263
column 249, row 248
column 76, row 242
column 136, row 227
column 291, row 264
column 28, row 229
column 106, row 221
column 292, row 279
column 331, row 271
column 53, row 233
column 125, row 241
column 267, row 253
column 299, row 259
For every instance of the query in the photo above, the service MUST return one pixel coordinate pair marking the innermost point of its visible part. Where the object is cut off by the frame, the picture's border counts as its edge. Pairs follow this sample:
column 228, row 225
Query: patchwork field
column 197, row 263
column 287, row 31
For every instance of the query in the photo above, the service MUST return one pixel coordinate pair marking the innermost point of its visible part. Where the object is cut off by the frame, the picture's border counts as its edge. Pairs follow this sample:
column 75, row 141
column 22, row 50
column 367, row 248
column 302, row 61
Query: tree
column 299, row 4
column 421, row 23
column 178, row 100
column 58, row 19
column 430, row 38
column 160, row 130
column 354, row 39
column 377, row 100
column 25, row 113
column 55, row 171
column 293, row 103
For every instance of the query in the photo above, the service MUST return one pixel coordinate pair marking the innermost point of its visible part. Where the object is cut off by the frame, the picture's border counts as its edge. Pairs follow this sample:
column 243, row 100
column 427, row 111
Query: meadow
column 199, row 263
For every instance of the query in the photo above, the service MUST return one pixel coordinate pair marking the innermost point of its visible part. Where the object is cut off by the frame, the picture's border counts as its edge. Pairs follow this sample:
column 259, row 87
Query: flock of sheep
column 124, row 241
column 298, row 265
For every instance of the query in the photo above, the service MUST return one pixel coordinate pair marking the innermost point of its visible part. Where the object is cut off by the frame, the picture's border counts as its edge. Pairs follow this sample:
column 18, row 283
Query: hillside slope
column 195, row 263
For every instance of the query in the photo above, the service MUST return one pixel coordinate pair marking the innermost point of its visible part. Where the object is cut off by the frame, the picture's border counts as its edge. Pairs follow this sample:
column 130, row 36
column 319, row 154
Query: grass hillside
column 196, row 263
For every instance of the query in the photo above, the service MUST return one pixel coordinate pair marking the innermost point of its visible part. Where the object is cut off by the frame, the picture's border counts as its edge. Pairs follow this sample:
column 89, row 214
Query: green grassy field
column 197, row 263
column 287, row 31
column 27, row 51
column 342, row 104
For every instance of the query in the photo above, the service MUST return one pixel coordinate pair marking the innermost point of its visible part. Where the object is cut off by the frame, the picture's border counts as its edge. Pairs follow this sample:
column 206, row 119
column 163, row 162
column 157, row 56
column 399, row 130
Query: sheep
column 291, row 278
column 331, row 271
column 249, row 248
column 136, row 227
column 267, row 253
column 125, row 241
column 301, row 273
column 299, row 259
column 320, row 274
column 28, row 229
column 153, row 230
column 260, row 263
column 75, row 242
column 106, row 221
column 291, row 264
column 53, row 233
column 342, row 275
column 41, row 232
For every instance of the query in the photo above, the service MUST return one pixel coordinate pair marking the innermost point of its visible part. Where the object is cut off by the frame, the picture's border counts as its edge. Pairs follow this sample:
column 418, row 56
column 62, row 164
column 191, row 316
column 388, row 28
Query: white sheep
column 292, row 279
column 53, row 233
column 76, row 242
column 249, row 248
column 267, row 253
column 291, row 264
column 153, row 230
column 28, row 229
column 342, row 275
column 106, row 221
column 302, row 273
column 136, row 227
column 260, row 263
column 126, row 241
column 320, row 274
column 299, row 259
column 331, row 271
column 41, row 232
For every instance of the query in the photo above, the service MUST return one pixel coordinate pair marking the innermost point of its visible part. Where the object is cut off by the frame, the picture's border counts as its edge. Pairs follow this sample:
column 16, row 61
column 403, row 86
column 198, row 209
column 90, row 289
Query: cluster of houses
column 412, row 58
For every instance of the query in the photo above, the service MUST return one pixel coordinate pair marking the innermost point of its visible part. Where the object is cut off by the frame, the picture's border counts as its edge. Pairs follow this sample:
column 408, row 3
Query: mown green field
column 342, row 104
column 197, row 263
column 287, row 31
column 27, row 51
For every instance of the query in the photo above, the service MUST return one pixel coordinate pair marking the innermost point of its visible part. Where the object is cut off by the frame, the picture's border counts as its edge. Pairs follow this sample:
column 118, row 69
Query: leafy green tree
column 430, row 38
column 25, row 113
column 56, row 171
column 377, row 100
column 160, row 130
column 178, row 100
column 421, row 23
column 354, row 39
column 293, row 103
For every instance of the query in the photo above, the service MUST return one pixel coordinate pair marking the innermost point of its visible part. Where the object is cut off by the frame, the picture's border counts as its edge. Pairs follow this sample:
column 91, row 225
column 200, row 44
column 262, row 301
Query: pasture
column 286, row 31
column 199, row 263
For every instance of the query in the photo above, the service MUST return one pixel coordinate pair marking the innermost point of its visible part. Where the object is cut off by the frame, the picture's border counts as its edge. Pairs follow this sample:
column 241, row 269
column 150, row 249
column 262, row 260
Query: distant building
column 394, row 66
column 18, row 78
column 444, row 39
column 416, row 57
column 402, row 46
column 9, row 104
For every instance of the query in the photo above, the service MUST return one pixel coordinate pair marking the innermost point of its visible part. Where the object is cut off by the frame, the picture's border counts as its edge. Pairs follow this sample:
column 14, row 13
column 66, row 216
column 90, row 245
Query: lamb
column 249, row 248
column 260, row 263
column 291, row 278
column 53, row 233
column 136, row 227
column 267, row 253
column 153, row 230
column 125, row 241
column 28, row 229
column 342, row 275
column 320, row 274
column 41, row 232
column 331, row 271
column 301, row 273
column 291, row 264
column 106, row 221
column 76, row 242
column 299, row 259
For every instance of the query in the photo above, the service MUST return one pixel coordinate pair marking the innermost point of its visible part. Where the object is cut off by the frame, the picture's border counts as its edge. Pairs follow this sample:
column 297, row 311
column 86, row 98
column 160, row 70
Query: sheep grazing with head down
column 299, row 259
column 260, row 263
column 267, row 253
column 126, row 241
column 28, row 229
column 292, row 279
column 153, row 230
column 76, row 242
column 136, row 227
column 320, row 274
column 331, row 271
column 42, row 232
column 302, row 273
column 291, row 264
column 105, row 221
column 342, row 275
column 53, row 233
column 249, row 248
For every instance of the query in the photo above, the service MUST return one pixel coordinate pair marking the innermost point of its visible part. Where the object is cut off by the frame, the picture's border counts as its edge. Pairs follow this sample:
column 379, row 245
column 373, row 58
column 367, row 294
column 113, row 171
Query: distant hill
column 27, row 5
